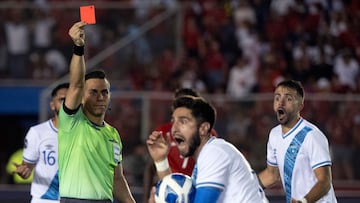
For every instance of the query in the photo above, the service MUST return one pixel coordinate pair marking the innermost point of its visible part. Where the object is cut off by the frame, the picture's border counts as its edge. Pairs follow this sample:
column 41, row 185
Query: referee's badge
column 117, row 152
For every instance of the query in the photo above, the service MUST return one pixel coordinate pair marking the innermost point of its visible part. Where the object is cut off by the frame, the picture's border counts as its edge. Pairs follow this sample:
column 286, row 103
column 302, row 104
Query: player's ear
column 301, row 105
column 52, row 105
column 204, row 128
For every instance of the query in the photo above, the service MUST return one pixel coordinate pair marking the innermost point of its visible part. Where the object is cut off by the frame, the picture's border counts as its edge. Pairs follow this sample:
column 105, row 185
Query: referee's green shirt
column 88, row 155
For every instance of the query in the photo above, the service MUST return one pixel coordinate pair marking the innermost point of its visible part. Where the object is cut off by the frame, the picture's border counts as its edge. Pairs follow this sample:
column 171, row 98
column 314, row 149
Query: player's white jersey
column 297, row 153
column 41, row 149
column 222, row 166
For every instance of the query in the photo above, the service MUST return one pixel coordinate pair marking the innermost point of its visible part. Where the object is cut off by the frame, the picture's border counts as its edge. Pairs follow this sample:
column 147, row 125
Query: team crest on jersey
column 49, row 146
column 293, row 149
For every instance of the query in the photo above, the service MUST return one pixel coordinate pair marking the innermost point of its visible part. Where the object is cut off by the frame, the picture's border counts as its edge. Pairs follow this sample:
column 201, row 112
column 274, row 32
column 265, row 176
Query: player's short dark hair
column 186, row 91
column 97, row 74
column 202, row 110
column 293, row 84
column 58, row 87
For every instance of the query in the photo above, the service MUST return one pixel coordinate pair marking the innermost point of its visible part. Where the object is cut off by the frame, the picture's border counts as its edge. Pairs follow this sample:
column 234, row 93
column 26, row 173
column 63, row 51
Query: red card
column 87, row 14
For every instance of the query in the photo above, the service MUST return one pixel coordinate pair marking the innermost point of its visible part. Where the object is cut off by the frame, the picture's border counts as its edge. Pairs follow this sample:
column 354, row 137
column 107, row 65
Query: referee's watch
column 303, row 200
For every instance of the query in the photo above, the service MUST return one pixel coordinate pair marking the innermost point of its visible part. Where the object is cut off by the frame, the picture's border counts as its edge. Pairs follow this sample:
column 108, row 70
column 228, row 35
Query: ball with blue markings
column 175, row 188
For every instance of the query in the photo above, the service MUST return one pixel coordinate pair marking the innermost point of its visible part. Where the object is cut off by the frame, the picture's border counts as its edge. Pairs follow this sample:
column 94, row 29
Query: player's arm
column 24, row 169
column 207, row 195
column 322, row 186
column 121, row 188
column 269, row 176
column 149, row 179
column 77, row 67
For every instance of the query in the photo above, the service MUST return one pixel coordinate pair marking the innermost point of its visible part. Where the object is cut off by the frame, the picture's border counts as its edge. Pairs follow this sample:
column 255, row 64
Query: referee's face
column 96, row 97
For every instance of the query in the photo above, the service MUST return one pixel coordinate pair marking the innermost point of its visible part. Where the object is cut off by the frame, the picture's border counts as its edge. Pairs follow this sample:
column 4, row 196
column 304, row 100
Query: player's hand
column 158, row 146
column 77, row 33
column 22, row 170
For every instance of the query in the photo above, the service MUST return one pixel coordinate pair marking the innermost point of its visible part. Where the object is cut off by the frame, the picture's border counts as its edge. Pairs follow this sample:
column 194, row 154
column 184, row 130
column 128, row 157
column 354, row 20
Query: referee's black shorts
column 73, row 200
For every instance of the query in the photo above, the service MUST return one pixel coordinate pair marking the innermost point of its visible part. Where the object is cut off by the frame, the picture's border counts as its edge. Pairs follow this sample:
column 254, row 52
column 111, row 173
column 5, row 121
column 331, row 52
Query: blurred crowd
column 243, row 46
column 232, row 47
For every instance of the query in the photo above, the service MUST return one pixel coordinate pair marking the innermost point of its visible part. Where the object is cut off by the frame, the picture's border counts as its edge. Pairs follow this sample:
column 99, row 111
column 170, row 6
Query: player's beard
column 56, row 112
column 194, row 143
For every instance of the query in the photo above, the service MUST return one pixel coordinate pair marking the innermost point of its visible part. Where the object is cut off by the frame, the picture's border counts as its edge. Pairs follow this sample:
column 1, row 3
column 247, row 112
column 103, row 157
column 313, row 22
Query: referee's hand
column 77, row 33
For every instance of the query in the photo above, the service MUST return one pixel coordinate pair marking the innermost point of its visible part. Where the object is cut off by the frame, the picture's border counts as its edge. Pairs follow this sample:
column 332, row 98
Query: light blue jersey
column 222, row 172
column 297, row 153
column 41, row 149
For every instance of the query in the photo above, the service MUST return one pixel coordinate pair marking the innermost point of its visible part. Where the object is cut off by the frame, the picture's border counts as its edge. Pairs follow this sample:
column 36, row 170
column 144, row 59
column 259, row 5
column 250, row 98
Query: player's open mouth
column 281, row 114
column 178, row 140
column 280, row 111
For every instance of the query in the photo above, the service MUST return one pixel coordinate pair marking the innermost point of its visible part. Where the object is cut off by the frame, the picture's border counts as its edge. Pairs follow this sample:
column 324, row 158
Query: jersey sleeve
column 31, row 146
column 207, row 194
column 213, row 169
column 270, row 152
column 318, row 150
column 67, row 120
column 118, row 147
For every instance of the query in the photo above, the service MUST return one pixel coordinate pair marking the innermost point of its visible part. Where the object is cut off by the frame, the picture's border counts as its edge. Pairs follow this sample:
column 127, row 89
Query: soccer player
column 297, row 151
column 41, row 152
column 177, row 163
column 221, row 173
column 90, row 150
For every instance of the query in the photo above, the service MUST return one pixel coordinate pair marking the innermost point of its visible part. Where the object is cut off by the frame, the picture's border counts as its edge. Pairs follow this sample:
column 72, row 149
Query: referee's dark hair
column 97, row 74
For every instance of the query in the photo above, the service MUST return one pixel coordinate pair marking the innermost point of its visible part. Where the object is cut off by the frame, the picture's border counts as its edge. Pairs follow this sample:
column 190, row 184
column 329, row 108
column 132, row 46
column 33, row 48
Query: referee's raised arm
column 77, row 67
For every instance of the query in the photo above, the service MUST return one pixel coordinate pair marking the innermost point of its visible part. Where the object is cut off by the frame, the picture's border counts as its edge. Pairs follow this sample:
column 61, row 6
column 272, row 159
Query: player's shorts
column 38, row 200
column 73, row 200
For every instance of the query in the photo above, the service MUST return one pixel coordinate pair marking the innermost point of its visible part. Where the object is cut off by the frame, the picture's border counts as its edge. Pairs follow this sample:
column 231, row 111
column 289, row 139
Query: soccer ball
column 175, row 188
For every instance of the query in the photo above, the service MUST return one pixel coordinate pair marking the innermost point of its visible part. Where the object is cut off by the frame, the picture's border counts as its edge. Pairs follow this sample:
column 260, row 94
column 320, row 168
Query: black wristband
column 78, row 50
